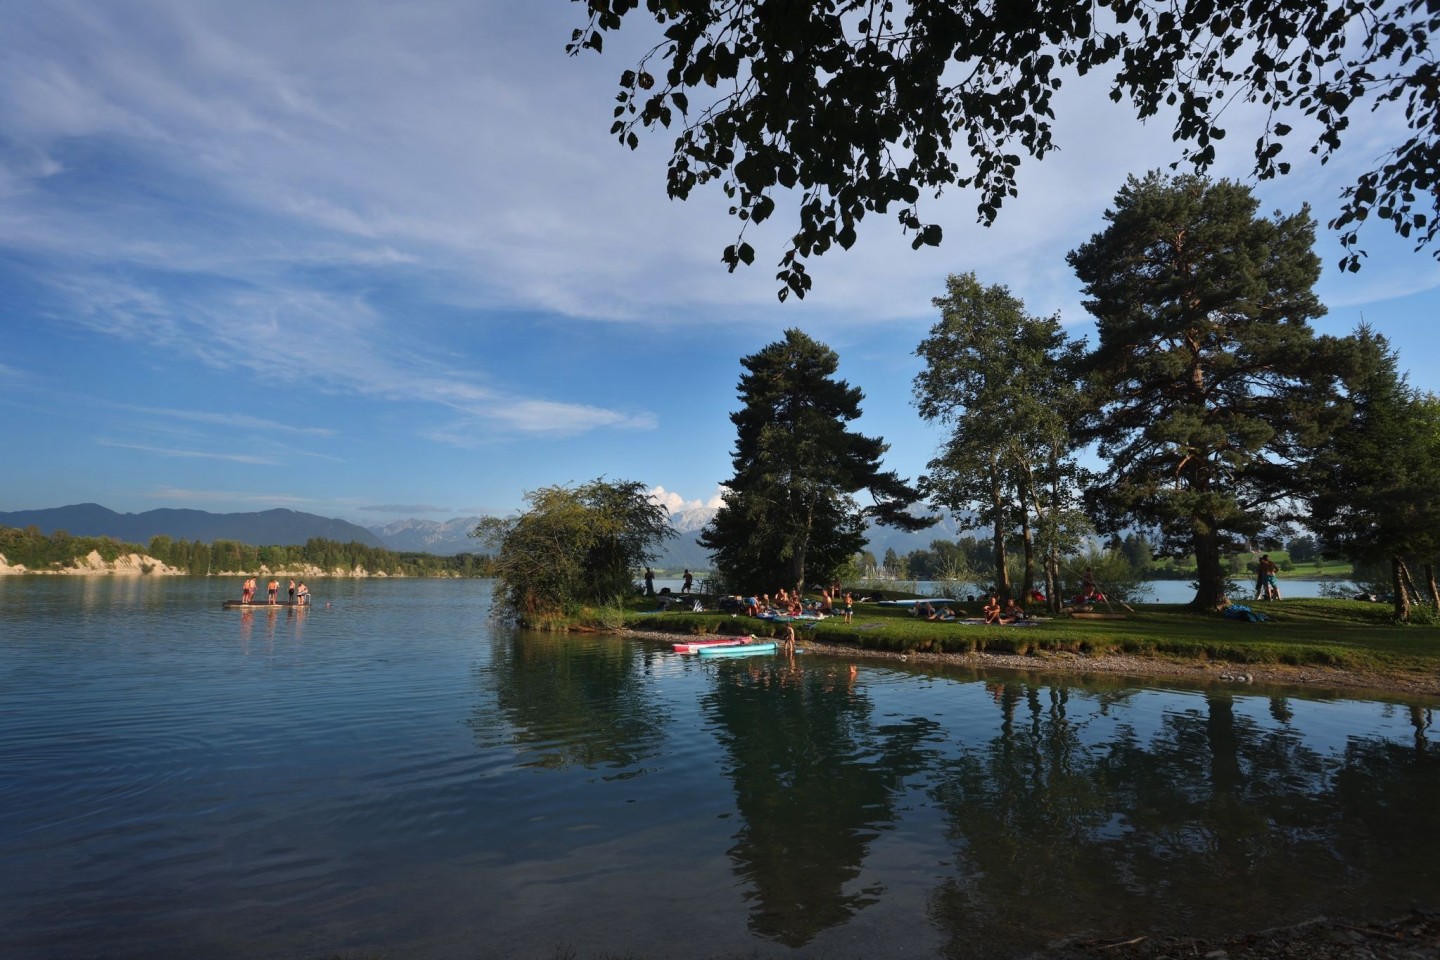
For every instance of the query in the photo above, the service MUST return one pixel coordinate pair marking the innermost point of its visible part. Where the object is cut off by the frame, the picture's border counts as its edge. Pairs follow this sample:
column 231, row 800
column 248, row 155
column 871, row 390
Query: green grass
column 1349, row 634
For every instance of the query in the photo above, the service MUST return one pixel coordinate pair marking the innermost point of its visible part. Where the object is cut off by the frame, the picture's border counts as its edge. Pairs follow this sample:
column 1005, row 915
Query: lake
column 391, row 773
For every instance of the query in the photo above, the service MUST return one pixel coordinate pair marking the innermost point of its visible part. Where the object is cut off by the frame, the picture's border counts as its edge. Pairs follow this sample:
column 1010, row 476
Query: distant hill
column 449, row 537
column 263, row 528
column 442, row 538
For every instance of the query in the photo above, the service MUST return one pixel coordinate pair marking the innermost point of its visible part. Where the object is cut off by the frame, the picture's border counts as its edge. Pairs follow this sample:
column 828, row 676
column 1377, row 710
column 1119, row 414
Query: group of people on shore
column 299, row 593
column 993, row 610
column 786, row 603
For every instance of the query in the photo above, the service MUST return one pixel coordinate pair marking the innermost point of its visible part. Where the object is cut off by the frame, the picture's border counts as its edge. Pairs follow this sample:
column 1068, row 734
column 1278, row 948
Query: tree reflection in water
column 1103, row 809
column 815, row 781
column 1214, row 823
column 568, row 705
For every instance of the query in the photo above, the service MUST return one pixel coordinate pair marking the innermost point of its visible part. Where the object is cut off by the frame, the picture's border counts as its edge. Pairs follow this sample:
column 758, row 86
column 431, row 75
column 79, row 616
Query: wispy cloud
column 191, row 454
column 237, row 420
column 184, row 495
column 408, row 508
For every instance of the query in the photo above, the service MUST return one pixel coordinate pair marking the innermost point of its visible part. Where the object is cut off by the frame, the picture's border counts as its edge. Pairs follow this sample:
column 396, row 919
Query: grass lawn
column 1348, row 634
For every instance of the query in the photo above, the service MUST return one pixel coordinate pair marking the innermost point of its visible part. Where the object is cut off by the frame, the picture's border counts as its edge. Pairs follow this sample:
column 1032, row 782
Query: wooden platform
column 263, row 604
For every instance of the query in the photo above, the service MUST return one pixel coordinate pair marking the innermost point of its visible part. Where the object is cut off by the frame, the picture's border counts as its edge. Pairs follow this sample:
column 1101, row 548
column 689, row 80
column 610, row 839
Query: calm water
column 392, row 774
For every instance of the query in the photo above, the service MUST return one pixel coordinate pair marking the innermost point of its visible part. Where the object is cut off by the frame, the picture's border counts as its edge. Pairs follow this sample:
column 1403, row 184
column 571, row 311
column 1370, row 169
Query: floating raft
column 262, row 604
column 740, row 650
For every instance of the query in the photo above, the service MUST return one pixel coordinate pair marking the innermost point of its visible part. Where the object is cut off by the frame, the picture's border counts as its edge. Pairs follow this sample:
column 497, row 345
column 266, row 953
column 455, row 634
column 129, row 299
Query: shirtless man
column 992, row 610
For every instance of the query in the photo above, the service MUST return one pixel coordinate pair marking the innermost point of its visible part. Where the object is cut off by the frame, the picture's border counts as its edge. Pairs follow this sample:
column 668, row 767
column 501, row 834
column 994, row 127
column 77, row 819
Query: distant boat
column 262, row 604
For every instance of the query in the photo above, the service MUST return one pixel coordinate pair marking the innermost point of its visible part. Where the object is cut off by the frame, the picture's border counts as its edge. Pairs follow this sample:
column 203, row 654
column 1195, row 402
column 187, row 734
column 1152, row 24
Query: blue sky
column 378, row 260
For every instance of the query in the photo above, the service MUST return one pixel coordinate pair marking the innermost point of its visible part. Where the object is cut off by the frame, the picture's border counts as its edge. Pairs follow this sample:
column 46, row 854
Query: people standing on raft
column 272, row 590
column 292, row 590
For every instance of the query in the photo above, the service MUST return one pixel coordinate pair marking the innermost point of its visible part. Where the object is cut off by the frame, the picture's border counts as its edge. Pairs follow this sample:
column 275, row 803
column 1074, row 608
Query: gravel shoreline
column 1350, row 682
column 1129, row 665
column 1412, row 937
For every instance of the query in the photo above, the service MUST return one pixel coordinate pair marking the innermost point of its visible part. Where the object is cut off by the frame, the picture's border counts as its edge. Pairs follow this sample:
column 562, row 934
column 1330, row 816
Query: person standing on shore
column 649, row 582
column 689, row 579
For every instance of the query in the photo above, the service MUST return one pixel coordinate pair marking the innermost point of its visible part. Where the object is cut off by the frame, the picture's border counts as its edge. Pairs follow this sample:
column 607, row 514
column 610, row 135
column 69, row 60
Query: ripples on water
column 389, row 772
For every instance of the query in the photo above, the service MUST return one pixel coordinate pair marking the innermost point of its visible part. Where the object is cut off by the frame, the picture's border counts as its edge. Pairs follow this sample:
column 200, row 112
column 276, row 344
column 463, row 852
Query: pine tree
column 790, row 510
column 1378, row 477
column 1208, row 386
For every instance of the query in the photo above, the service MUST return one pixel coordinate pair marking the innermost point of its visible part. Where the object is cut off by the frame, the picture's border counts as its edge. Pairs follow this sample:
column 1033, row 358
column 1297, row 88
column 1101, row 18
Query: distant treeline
column 1129, row 559
column 38, row 551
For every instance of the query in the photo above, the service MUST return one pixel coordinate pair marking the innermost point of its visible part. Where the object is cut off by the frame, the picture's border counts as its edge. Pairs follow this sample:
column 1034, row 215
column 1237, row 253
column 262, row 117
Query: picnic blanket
column 1238, row 611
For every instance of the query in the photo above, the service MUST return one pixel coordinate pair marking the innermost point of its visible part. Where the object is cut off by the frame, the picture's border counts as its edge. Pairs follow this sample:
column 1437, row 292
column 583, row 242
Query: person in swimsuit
column 272, row 590
column 292, row 589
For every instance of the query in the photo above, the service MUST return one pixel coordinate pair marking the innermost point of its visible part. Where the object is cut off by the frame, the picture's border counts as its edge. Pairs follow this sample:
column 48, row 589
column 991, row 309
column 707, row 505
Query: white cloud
column 676, row 503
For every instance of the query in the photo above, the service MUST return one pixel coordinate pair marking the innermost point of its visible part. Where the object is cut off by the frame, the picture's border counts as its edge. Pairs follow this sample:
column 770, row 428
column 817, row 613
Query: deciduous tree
column 861, row 106
column 1003, row 383
column 574, row 546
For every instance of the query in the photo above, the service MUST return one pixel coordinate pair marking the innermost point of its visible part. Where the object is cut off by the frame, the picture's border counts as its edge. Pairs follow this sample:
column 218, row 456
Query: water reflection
column 567, row 704
column 815, row 780
column 1216, row 822
column 412, row 780
column 270, row 622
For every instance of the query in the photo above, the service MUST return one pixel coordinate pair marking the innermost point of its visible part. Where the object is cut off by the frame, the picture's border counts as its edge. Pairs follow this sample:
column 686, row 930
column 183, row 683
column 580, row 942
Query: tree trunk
column 1028, row 539
column 1209, row 571
column 1397, row 589
column 1002, row 560
column 1411, row 590
column 1052, row 582
column 1434, row 589
column 798, row 562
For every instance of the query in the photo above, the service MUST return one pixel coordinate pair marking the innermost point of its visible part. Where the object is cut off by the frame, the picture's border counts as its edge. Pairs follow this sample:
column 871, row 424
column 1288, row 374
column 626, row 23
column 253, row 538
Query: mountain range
column 266, row 527
column 443, row 538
